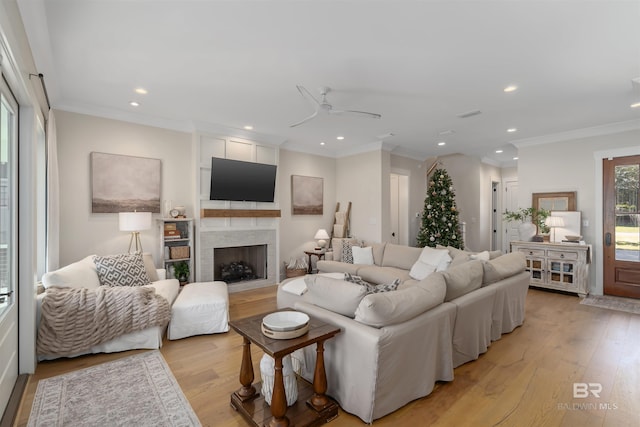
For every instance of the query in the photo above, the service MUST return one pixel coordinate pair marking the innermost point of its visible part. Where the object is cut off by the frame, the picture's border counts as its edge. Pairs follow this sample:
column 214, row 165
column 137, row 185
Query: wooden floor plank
column 525, row 379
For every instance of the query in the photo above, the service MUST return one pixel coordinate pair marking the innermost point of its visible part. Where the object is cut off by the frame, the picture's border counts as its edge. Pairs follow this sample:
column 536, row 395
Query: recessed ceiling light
column 248, row 127
column 141, row 90
column 322, row 143
column 515, row 158
column 512, row 130
column 498, row 151
column 636, row 105
column 134, row 104
column 510, row 88
column 441, row 143
column 340, row 138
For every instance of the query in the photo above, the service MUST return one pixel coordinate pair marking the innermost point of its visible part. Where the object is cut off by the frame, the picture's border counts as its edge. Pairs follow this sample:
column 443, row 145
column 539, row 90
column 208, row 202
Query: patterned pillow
column 371, row 288
column 347, row 252
column 121, row 270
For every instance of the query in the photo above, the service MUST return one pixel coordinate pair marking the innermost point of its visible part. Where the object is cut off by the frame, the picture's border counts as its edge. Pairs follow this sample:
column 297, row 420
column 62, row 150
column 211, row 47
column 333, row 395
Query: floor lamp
column 135, row 222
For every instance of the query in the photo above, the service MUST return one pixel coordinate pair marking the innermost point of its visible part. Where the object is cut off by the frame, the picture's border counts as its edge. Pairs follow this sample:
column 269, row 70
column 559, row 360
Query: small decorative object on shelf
column 176, row 243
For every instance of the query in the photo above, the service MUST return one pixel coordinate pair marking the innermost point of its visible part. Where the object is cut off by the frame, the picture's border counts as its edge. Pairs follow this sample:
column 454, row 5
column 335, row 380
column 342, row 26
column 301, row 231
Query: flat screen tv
column 242, row 181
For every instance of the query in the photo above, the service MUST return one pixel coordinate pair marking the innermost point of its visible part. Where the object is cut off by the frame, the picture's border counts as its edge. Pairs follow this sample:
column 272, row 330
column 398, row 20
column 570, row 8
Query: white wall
column 297, row 231
column 573, row 166
column 83, row 233
column 416, row 171
column 359, row 181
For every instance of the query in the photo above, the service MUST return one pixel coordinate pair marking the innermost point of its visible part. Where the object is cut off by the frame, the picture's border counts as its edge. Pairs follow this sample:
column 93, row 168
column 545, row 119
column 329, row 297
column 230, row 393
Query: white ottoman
column 201, row 308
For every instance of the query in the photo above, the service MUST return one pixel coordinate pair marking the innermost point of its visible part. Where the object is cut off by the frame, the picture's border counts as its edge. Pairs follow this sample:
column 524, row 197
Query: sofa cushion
column 378, row 275
column 362, row 255
column 121, row 270
column 334, row 295
column 502, row 267
column 389, row 308
column 430, row 260
column 377, row 249
column 463, row 279
column 150, row 267
column 80, row 274
column 337, row 267
column 400, row 256
column 461, row 256
column 336, row 247
column 482, row 256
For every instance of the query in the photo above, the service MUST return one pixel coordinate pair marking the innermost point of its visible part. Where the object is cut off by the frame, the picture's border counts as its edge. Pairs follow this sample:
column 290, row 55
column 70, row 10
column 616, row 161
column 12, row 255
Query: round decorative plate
column 282, row 321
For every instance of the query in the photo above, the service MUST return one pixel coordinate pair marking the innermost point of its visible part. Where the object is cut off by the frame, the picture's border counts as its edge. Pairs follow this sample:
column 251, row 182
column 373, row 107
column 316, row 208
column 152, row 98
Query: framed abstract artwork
column 124, row 183
column 306, row 195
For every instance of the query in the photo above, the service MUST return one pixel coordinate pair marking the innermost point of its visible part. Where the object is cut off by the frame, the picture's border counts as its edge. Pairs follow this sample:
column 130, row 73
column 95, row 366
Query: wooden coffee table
column 313, row 407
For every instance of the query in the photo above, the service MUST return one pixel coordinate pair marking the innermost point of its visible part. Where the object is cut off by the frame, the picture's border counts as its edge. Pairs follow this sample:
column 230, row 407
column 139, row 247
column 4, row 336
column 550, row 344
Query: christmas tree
column 440, row 217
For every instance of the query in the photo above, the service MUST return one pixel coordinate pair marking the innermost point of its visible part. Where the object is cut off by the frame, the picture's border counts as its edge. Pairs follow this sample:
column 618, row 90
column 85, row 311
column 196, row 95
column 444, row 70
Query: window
column 8, row 200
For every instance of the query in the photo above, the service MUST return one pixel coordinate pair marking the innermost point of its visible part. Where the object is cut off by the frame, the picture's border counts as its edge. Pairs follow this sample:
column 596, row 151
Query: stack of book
column 171, row 231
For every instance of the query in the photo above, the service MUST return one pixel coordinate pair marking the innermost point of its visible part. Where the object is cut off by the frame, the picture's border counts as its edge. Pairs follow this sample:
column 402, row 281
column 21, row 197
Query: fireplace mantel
column 240, row 213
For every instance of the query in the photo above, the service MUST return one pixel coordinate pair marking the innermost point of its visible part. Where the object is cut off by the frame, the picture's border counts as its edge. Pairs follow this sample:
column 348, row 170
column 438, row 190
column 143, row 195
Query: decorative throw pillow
column 121, row 270
column 371, row 288
column 347, row 251
column 430, row 260
column 362, row 255
column 385, row 287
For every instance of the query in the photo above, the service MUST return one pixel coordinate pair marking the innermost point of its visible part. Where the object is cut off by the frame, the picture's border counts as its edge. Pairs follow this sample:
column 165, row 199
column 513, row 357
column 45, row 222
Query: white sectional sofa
column 395, row 345
column 83, row 274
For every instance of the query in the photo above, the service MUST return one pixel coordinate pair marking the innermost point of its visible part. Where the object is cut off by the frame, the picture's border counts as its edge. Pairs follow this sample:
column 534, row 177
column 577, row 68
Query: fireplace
column 240, row 263
column 211, row 241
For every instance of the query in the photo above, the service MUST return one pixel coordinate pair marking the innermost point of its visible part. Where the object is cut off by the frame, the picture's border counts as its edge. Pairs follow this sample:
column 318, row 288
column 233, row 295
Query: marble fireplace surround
column 213, row 239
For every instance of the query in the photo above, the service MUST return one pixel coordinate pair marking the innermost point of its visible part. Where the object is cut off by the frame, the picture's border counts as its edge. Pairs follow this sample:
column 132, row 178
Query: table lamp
column 554, row 222
column 321, row 236
column 135, row 222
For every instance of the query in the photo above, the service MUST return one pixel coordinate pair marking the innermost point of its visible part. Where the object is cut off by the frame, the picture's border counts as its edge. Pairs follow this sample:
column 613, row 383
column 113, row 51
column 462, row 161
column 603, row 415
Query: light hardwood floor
column 525, row 379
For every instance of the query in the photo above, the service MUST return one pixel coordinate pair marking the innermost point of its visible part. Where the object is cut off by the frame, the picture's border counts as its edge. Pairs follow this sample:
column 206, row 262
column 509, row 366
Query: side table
column 313, row 407
column 309, row 254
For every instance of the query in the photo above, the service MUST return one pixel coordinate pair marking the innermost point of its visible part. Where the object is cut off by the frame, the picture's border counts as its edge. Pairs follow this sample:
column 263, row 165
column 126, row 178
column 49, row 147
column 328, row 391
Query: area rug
column 613, row 303
column 139, row 390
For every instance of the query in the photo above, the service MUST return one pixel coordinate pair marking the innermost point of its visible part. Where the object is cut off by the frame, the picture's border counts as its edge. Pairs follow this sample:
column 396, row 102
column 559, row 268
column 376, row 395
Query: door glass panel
column 627, row 233
column 7, row 134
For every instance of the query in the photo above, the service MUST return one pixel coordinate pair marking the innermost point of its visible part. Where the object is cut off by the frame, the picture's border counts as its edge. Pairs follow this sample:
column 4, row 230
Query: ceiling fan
column 323, row 106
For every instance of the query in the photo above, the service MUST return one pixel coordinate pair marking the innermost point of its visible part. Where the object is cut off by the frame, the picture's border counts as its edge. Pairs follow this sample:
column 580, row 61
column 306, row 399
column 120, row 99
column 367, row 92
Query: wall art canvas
column 306, row 195
column 124, row 183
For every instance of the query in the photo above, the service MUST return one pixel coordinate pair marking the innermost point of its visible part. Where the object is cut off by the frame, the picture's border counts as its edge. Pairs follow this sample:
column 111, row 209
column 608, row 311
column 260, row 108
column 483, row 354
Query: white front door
column 8, row 244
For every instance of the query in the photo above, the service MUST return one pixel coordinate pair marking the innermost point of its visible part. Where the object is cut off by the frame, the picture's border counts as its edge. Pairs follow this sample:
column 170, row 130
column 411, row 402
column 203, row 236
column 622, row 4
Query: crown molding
column 579, row 133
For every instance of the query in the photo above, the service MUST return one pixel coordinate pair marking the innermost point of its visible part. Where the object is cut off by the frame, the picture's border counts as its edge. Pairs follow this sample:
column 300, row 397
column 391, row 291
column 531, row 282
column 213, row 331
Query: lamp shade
column 321, row 234
column 554, row 221
column 134, row 221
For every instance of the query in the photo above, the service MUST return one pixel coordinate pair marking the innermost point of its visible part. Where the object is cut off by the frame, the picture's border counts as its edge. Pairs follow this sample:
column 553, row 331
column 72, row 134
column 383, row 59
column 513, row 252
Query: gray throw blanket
column 73, row 320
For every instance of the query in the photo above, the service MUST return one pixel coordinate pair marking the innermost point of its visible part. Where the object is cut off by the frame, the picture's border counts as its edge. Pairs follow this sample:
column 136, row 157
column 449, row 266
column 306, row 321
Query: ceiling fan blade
column 356, row 113
column 306, row 94
column 304, row 120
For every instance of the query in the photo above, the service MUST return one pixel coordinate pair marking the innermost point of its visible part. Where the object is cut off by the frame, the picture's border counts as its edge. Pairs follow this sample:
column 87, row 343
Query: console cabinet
column 560, row 266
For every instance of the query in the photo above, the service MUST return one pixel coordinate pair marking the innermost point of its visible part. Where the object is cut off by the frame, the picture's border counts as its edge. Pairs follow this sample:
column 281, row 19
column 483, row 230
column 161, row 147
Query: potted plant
column 181, row 272
column 528, row 216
